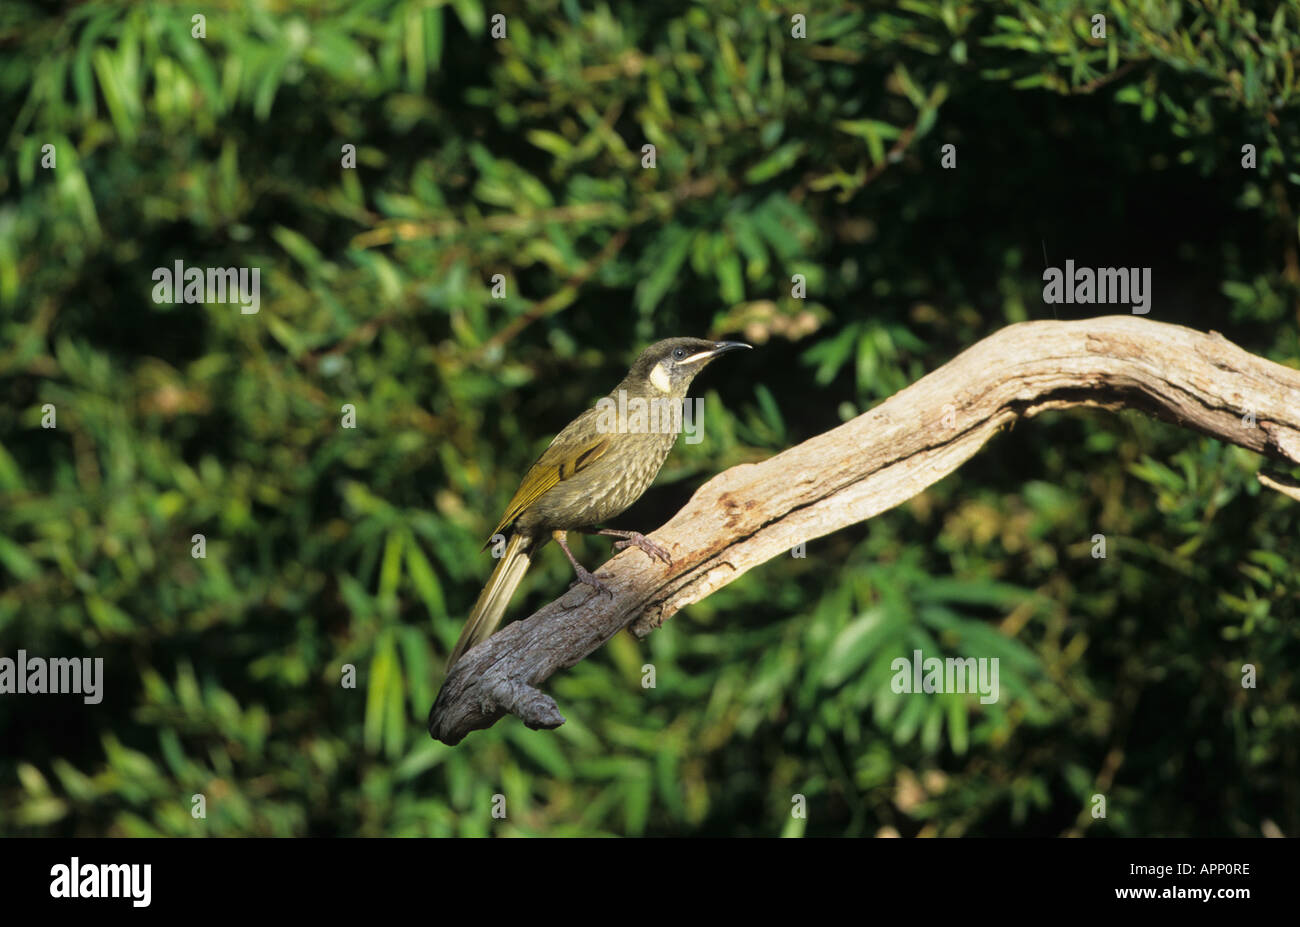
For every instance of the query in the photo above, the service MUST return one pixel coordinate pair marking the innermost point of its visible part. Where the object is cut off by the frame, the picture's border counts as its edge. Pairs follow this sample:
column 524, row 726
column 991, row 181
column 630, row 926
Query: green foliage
column 329, row 547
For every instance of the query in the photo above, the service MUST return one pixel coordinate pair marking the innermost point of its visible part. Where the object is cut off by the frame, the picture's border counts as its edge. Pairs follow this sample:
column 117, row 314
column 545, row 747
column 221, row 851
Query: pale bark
column 754, row 512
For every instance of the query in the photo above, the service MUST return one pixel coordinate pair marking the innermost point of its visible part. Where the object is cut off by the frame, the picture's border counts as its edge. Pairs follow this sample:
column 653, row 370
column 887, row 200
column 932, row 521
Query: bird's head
column 667, row 367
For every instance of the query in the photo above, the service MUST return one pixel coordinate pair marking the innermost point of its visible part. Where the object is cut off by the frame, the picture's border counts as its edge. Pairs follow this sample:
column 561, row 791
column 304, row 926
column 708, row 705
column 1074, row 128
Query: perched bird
column 594, row 469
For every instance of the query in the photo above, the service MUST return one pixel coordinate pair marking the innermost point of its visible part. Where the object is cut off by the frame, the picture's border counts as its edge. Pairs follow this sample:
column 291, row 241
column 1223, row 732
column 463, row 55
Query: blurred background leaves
column 522, row 157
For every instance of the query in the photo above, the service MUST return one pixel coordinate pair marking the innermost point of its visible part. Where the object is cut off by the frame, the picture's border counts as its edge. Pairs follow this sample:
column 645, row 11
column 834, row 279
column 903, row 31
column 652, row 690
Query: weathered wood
column 754, row 512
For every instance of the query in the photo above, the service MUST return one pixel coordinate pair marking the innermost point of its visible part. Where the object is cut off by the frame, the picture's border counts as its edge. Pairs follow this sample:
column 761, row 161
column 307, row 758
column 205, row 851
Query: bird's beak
column 719, row 347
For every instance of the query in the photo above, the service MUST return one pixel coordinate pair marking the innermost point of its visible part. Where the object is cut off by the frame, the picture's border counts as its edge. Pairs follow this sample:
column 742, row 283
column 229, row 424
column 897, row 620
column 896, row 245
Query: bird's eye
column 679, row 353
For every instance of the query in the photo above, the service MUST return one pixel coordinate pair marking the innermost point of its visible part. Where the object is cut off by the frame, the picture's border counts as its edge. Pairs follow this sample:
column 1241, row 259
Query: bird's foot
column 588, row 578
column 641, row 542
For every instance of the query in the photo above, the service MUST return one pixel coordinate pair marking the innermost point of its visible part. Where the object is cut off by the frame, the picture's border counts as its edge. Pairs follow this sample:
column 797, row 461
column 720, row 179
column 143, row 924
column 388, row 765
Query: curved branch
column 754, row 512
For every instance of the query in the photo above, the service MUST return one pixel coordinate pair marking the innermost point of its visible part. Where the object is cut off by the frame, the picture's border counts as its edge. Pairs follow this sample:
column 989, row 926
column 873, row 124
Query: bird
column 597, row 466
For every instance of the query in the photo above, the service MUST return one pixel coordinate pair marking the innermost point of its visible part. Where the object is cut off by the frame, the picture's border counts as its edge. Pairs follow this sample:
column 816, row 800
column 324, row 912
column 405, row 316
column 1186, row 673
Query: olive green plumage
column 590, row 473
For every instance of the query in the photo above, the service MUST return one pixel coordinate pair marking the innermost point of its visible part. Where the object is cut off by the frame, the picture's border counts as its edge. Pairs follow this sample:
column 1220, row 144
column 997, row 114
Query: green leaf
column 425, row 581
column 777, row 162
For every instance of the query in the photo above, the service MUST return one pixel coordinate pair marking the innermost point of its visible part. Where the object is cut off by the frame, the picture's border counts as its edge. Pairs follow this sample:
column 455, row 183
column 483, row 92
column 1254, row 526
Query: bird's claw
column 643, row 543
column 587, row 578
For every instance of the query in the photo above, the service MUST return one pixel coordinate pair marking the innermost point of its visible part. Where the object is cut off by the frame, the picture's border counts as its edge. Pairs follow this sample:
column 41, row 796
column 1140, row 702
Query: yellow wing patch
column 558, row 462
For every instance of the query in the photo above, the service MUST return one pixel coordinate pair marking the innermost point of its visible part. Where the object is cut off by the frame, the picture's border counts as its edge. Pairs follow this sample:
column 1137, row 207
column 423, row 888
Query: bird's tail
column 494, row 598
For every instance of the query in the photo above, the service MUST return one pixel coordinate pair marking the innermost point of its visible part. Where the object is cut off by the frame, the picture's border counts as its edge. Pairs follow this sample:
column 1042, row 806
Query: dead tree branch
column 754, row 512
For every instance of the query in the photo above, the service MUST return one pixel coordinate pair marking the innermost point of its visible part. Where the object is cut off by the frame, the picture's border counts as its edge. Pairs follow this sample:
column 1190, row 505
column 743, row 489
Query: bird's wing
column 563, row 460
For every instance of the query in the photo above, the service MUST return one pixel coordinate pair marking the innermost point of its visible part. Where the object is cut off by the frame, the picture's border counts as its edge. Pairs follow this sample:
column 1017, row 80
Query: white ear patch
column 659, row 378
